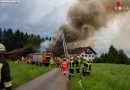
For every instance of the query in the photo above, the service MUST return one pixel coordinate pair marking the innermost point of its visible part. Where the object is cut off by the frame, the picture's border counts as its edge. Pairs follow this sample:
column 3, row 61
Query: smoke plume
column 123, row 37
column 84, row 19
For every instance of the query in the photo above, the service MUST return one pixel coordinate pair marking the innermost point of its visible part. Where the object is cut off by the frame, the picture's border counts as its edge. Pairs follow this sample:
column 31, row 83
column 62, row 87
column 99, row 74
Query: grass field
column 21, row 73
column 104, row 77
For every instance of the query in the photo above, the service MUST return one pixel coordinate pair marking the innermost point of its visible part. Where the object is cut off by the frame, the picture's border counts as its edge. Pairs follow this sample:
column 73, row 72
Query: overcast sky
column 42, row 17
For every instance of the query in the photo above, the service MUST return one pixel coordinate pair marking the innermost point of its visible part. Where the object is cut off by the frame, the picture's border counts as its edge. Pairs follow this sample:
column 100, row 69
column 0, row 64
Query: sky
column 44, row 17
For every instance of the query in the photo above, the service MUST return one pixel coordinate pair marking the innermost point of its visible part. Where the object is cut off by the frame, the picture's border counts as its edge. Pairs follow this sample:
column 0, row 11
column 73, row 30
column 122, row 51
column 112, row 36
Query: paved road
column 53, row 80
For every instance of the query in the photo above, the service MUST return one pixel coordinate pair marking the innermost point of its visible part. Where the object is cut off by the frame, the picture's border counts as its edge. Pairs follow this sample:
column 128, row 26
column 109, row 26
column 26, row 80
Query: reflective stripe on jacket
column 78, row 64
column 0, row 69
column 86, row 65
column 5, row 80
column 71, row 64
column 8, row 84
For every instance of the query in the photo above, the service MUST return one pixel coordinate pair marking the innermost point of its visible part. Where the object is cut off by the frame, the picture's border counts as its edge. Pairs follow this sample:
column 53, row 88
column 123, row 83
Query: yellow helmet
column 2, row 48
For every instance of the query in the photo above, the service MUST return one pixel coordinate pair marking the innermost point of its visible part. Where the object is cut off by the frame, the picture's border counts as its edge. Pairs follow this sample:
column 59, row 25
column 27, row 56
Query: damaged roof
column 81, row 50
column 16, row 50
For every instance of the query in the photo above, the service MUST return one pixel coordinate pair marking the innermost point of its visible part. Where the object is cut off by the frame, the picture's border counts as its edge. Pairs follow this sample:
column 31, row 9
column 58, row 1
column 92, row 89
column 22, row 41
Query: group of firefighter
column 82, row 67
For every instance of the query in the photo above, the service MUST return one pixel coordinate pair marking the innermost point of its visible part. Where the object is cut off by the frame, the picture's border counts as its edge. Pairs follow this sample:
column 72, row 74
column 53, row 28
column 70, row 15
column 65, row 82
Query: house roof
column 81, row 50
column 16, row 50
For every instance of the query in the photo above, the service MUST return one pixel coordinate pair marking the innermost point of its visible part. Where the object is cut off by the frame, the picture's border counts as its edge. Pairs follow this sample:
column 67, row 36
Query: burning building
column 84, row 53
column 84, row 19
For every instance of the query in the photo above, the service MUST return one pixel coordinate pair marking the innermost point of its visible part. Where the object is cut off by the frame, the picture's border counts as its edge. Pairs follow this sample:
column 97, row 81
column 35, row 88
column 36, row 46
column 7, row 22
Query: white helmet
column 87, row 59
column 72, row 58
column 2, row 48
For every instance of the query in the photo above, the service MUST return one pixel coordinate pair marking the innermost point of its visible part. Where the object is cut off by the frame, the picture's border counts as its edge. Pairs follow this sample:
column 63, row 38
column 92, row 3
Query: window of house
column 85, row 55
column 82, row 55
column 89, row 55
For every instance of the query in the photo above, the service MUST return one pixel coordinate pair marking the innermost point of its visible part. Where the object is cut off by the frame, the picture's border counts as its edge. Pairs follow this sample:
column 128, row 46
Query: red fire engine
column 39, row 58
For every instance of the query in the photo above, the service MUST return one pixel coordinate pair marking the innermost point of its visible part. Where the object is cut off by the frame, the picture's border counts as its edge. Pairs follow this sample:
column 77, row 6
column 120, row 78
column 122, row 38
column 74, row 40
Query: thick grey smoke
column 122, row 40
column 85, row 18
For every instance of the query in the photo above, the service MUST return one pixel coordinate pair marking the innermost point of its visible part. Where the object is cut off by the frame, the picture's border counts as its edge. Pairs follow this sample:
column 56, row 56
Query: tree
column 102, row 58
column 46, row 38
column 110, row 58
column 9, row 38
column 35, row 41
column 43, row 39
column 113, row 56
column 97, row 60
column 18, row 39
column 28, row 49
column 50, row 39
column 112, row 50
column 122, row 57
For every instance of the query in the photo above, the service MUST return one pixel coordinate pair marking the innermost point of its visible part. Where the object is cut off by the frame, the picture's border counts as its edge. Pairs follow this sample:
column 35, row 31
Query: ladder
column 61, row 35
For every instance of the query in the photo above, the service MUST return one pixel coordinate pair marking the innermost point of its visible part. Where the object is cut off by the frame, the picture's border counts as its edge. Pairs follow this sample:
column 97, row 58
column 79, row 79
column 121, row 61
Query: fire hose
column 81, row 84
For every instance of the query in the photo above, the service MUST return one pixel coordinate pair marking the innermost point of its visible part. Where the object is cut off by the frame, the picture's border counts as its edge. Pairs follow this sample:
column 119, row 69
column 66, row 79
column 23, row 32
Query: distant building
column 15, row 54
column 84, row 52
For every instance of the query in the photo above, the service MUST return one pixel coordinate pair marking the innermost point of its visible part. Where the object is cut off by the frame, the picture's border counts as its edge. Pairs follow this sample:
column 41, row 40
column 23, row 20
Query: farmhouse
column 15, row 54
column 84, row 52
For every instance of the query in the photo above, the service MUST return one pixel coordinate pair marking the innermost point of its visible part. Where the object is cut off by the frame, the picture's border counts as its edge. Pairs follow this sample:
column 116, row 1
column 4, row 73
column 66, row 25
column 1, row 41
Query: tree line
column 18, row 39
column 113, row 56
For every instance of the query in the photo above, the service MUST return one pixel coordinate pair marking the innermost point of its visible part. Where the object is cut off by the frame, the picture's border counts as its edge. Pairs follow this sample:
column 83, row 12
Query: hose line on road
column 81, row 84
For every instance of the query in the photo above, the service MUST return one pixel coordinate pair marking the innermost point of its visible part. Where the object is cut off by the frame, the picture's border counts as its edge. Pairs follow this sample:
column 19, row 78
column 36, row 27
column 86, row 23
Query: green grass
column 21, row 73
column 104, row 77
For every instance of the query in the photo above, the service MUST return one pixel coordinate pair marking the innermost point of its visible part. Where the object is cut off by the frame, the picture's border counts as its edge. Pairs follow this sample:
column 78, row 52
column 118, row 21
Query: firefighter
column 17, row 62
column 64, row 66
column 78, row 63
column 86, row 68
column 51, row 62
column 89, row 63
column 71, row 67
column 58, row 62
column 5, row 82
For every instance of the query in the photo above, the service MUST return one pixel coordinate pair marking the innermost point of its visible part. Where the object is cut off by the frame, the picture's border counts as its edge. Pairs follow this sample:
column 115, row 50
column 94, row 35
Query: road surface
column 53, row 80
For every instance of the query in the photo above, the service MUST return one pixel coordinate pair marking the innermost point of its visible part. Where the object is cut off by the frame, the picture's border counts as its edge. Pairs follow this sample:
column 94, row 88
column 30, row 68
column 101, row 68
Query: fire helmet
column 2, row 48
column 72, row 58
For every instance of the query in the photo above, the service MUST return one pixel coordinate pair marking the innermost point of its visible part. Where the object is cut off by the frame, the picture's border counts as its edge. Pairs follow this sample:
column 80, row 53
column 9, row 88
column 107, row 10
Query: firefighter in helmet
column 86, row 67
column 64, row 66
column 77, row 63
column 5, row 80
column 71, row 67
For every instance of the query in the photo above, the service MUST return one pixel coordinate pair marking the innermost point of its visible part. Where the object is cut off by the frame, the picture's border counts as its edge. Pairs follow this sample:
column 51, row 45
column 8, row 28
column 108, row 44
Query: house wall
column 87, row 56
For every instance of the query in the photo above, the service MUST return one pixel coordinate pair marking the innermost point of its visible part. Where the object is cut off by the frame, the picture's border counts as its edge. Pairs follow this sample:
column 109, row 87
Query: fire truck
column 39, row 58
